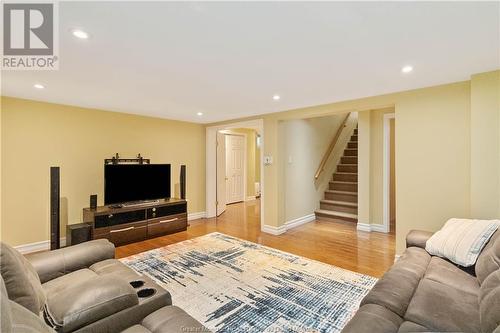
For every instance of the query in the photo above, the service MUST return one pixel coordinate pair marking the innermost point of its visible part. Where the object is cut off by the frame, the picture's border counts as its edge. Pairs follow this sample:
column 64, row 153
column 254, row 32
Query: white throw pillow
column 461, row 240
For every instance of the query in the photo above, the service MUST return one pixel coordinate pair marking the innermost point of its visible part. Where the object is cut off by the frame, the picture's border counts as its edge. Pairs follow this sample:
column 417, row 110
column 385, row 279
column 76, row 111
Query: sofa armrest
column 417, row 238
column 52, row 264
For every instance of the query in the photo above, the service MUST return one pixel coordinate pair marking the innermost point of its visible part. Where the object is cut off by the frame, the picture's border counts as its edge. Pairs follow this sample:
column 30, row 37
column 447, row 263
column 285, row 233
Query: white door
column 221, row 173
column 235, row 168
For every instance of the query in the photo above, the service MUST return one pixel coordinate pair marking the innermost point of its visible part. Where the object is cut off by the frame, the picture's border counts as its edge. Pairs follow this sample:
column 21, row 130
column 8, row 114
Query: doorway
column 230, row 177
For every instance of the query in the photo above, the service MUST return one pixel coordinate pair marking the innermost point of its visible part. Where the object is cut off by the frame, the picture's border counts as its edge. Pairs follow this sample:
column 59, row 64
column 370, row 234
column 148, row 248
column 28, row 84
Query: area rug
column 232, row 285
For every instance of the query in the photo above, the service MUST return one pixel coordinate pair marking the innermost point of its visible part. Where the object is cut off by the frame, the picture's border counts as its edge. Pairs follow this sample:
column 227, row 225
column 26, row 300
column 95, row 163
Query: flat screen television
column 136, row 182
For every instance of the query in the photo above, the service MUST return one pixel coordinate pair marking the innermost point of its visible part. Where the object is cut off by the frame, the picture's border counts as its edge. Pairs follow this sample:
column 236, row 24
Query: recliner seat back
column 22, row 283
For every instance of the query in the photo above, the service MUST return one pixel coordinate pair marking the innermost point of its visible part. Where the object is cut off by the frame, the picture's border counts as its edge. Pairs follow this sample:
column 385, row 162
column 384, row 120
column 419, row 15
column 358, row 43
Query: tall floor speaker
column 55, row 233
column 183, row 181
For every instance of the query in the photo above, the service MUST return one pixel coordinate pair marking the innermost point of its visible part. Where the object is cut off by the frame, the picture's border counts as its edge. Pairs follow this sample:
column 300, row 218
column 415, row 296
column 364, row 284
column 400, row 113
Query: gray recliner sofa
column 424, row 293
column 82, row 288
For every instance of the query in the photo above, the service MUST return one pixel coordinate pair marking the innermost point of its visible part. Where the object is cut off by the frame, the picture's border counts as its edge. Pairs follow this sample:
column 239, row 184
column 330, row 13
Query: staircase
column 341, row 198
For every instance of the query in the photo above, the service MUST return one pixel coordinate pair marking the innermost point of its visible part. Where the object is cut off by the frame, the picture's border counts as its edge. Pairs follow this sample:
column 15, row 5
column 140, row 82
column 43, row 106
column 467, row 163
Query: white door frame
column 220, row 168
column 211, row 163
column 387, row 171
column 245, row 160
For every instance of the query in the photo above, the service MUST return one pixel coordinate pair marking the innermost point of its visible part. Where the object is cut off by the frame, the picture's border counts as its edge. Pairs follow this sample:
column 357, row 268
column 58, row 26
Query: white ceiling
column 228, row 59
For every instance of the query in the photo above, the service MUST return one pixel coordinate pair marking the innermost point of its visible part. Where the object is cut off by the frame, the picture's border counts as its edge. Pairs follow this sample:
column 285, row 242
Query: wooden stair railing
column 328, row 152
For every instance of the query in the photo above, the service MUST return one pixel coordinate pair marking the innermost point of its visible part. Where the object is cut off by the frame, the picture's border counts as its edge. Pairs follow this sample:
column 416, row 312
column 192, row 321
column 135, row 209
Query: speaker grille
column 54, row 208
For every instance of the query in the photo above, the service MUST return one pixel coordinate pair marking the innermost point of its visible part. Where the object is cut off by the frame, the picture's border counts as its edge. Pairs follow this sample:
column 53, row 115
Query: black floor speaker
column 183, row 181
column 55, row 233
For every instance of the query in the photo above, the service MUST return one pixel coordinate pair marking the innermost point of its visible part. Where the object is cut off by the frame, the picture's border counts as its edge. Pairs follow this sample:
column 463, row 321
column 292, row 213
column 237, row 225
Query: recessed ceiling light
column 407, row 69
column 276, row 97
column 80, row 34
column 38, row 86
column 199, row 114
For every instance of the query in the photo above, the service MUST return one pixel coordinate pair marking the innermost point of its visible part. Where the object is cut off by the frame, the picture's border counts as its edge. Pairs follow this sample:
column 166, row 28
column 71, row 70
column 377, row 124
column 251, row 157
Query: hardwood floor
column 333, row 242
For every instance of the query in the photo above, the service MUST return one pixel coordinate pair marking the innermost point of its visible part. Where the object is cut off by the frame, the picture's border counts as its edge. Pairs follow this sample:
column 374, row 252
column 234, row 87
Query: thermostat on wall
column 268, row 160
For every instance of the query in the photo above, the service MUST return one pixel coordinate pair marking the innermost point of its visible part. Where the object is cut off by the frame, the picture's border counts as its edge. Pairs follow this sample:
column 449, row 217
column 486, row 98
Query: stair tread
column 335, row 213
column 345, row 173
column 341, row 192
column 342, row 182
column 337, row 202
column 345, row 164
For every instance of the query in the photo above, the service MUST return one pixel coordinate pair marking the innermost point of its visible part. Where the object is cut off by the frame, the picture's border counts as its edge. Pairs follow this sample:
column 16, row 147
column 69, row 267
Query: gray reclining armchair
column 82, row 288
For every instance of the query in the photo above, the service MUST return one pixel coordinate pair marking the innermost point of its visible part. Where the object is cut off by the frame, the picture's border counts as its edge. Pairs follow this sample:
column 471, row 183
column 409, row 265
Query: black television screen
column 133, row 182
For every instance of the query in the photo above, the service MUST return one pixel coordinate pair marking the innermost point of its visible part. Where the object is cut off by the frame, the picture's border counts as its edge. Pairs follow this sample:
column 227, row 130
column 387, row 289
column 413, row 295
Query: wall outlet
column 268, row 160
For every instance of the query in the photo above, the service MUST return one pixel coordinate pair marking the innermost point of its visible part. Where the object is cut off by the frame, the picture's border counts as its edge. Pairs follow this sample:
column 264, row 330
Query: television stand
column 137, row 221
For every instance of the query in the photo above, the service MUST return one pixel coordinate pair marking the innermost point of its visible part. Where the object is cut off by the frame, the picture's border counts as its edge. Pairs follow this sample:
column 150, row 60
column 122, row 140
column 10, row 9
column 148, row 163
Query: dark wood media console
column 136, row 223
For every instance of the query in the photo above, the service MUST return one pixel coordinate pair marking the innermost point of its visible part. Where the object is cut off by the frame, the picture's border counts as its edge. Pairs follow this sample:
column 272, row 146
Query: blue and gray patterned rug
column 232, row 285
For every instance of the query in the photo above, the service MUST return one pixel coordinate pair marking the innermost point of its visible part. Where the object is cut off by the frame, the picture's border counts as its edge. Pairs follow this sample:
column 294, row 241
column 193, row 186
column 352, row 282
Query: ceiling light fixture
column 80, row 34
column 199, row 114
column 38, row 86
column 407, row 69
column 276, row 97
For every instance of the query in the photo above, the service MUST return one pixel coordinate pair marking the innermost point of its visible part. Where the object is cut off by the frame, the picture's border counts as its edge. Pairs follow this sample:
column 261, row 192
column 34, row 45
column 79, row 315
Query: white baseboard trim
column 396, row 257
column 288, row 225
column 300, row 221
column 371, row 227
column 37, row 246
column 379, row 228
column 250, row 198
column 363, row 227
column 269, row 229
column 196, row 216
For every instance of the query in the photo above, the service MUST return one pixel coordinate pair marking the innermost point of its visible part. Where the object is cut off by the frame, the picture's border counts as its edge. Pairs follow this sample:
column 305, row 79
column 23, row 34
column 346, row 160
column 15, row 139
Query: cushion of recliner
column 87, row 302
column 15, row 318
column 443, row 308
column 489, row 302
column 445, row 272
column 172, row 319
column 489, row 259
column 21, row 280
column 395, row 289
column 114, row 267
column 373, row 318
column 68, row 281
column 410, row 327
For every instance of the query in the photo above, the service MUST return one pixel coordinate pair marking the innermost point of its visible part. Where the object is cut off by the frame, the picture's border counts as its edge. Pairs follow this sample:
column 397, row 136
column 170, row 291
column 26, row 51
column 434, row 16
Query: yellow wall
column 485, row 145
column 433, row 163
column 38, row 135
column 432, row 158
